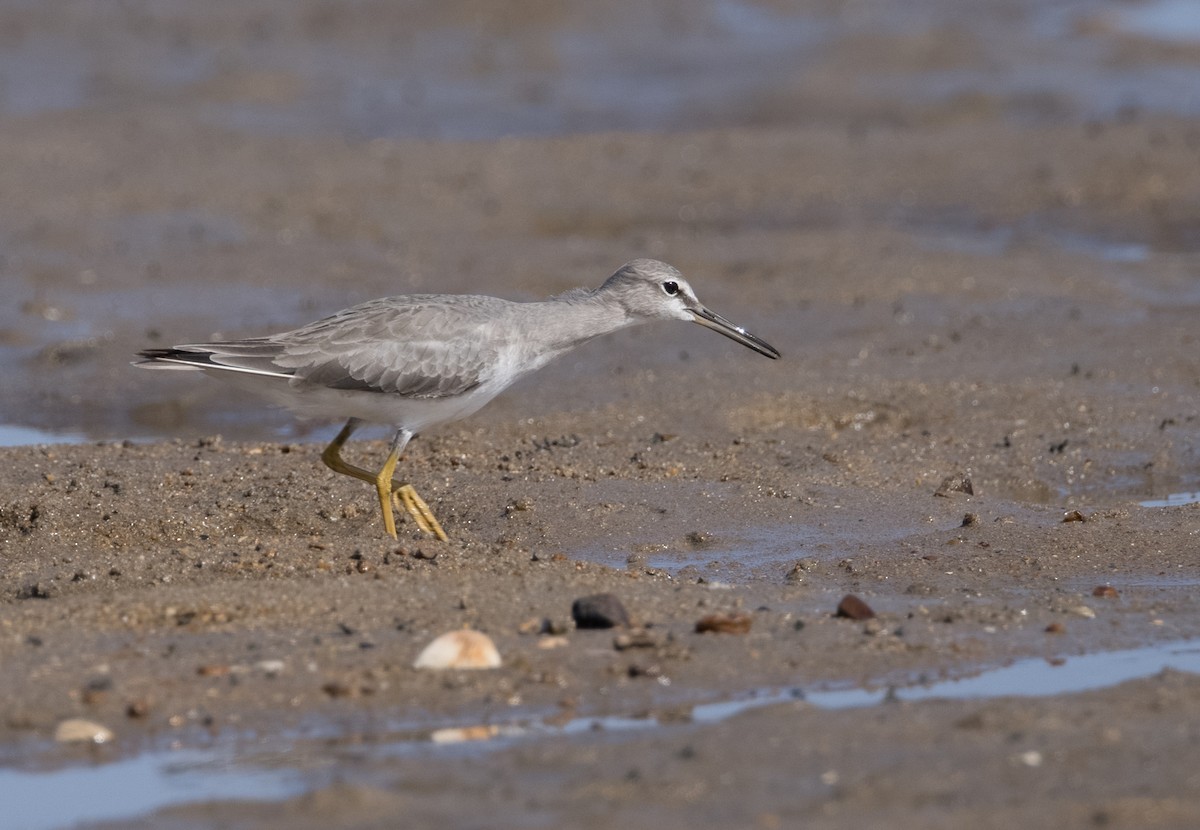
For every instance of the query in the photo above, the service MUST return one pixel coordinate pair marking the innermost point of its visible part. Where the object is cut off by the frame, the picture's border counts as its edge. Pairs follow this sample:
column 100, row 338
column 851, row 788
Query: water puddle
column 14, row 435
column 966, row 234
column 1174, row 20
column 1173, row 500
column 138, row 786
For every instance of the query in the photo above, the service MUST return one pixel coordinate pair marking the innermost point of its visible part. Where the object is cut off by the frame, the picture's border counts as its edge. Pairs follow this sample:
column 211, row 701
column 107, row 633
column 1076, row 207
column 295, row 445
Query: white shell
column 80, row 731
column 463, row 649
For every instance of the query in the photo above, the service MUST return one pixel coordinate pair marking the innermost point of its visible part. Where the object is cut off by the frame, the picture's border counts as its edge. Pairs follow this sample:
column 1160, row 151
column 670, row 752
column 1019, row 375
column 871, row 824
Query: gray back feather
column 419, row 345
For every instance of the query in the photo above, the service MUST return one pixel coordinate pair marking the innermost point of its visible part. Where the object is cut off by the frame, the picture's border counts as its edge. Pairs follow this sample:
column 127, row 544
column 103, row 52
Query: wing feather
column 421, row 346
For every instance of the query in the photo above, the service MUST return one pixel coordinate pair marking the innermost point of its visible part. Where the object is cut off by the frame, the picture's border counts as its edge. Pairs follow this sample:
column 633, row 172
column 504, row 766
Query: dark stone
column 854, row 608
column 599, row 611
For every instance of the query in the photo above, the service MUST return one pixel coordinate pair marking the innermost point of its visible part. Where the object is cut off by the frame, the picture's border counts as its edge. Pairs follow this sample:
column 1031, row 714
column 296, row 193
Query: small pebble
column 1032, row 758
column 1105, row 591
column 336, row 688
column 534, row 625
column 462, row 649
column 736, row 623
column 1073, row 516
column 270, row 668
column 652, row 670
column 138, row 708
column 955, row 484
column 637, row 638
column 1055, row 628
column 853, row 608
column 80, row 731
column 873, row 627
column 599, row 611
column 463, row 734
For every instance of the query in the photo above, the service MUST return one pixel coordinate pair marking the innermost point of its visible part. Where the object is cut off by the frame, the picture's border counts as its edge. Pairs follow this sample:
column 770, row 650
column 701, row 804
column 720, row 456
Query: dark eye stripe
column 671, row 287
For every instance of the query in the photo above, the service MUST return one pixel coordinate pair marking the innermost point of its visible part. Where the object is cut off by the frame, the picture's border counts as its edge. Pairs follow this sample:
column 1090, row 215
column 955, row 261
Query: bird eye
column 671, row 288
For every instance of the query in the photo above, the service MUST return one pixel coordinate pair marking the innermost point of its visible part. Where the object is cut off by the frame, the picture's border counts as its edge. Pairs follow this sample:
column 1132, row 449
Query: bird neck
column 566, row 322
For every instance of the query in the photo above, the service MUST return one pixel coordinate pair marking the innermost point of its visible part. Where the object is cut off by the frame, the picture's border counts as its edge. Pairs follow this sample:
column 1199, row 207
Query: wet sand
column 995, row 283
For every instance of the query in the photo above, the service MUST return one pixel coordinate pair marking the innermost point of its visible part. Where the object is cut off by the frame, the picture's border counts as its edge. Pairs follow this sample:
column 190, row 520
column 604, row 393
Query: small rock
column 638, row 638
column 336, row 688
column 534, row 625
column 955, row 484
column 553, row 641
column 853, row 608
column 544, row 626
column 463, row 649
column 638, row 670
column 800, row 568
column 735, row 623
column 1082, row 611
column 1055, row 628
column 1032, row 758
column 80, row 731
column 138, row 708
column 556, row 626
column 464, row 734
column 599, row 611
column 96, row 690
column 970, row 520
column 271, row 668
column 36, row 590
column 1105, row 591
column 1073, row 516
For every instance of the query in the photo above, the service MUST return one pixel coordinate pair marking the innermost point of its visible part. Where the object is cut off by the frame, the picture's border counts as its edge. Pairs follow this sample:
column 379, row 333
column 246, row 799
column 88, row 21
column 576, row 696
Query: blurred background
column 173, row 171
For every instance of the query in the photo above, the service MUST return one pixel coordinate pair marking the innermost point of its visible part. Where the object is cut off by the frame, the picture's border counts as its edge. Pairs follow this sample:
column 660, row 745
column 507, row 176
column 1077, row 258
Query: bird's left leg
column 404, row 494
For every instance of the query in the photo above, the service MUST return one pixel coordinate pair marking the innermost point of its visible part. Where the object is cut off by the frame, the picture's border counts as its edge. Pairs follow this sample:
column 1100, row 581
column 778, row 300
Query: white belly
column 413, row 414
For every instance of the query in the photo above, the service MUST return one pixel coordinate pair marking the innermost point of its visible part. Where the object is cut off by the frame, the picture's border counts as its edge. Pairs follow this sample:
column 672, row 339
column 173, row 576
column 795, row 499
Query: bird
column 414, row 361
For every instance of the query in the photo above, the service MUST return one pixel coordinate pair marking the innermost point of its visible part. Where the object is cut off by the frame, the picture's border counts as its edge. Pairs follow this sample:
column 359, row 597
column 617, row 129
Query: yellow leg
column 332, row 455
column 385, row 487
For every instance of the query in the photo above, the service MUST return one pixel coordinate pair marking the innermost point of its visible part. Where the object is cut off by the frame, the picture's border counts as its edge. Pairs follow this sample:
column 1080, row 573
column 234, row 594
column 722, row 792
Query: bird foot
column 406, row 497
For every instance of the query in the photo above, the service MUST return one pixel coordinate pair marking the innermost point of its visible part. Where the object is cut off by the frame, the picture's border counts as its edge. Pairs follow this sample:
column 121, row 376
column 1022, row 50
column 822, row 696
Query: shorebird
column 417, row 360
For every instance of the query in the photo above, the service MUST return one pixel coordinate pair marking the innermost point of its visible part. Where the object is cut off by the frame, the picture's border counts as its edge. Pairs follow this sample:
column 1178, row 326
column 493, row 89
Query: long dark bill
column 717, row 323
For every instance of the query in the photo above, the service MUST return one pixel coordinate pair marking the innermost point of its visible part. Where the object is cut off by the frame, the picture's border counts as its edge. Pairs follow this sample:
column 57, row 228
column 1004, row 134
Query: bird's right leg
column 406, row 495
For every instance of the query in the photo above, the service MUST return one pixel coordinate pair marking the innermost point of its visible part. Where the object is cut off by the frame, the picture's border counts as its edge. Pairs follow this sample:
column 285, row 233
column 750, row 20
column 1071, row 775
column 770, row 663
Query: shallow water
column 1173, row 500
column 14, row 435
column 1174, row 20
column 137, row 786
column 130, row 787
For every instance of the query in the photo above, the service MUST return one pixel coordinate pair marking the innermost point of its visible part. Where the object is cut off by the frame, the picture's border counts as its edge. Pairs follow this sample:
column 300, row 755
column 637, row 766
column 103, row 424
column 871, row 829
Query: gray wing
column 424, row 346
